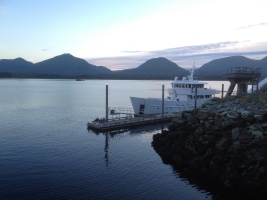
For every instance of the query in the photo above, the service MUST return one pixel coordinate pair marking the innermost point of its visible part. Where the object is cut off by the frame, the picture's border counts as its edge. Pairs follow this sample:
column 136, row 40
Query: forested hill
column 216, row 68
column 68, row 66
column 157, row 68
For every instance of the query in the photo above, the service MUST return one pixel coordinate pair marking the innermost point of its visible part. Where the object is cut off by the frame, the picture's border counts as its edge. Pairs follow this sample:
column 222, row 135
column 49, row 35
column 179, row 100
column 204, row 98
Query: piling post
column 195, row 96
column 106, row 102
column 162, row 111
column 222, row 90
column 258, row 77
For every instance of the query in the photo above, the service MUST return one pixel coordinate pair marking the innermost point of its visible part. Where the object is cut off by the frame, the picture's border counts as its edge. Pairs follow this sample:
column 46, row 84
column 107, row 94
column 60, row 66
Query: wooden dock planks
column 130, row 123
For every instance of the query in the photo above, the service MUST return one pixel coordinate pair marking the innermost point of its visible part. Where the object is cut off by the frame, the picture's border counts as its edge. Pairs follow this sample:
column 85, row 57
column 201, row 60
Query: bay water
column 46, row 151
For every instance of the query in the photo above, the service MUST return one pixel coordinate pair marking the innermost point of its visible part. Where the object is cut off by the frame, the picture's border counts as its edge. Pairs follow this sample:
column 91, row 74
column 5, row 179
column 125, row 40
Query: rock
column 209, row 102
column 236, row 145
column 192, row 119
column 224, row 114
column 233, row 115
column 248, row 118
column 178, row 120
column 260, row 112
column 226, row 124
column 222, row 144
column 245, row 138
column 264, row 125
column 258, row 127
column 208, row 125
column 202, row 115
column 214, row 128
column 257, row 133
column 235, row 133
column 252, row 127
column 240, row 110
column 177, row 159
column 199, row 130
column 259, row 117
column 203, row 143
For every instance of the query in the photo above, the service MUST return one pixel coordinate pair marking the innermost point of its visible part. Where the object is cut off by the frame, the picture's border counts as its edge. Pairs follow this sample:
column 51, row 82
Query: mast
column 191, row 77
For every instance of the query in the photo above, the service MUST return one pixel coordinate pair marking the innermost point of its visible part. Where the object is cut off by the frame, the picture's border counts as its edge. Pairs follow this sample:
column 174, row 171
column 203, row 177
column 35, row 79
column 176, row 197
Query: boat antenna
column 192, row 73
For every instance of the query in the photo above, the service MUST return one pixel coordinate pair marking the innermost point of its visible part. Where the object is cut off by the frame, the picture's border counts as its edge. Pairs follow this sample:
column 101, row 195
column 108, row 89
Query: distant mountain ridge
column 156, row 67
column 18, row 65
column 68, row 66
column 219, row 66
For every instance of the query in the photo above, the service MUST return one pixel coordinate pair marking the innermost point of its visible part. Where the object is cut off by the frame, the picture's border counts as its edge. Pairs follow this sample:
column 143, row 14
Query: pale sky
column 121, row 34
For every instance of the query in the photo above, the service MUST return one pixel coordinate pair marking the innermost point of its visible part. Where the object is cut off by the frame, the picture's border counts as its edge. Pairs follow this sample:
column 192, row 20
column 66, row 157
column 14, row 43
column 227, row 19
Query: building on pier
column 242, row 77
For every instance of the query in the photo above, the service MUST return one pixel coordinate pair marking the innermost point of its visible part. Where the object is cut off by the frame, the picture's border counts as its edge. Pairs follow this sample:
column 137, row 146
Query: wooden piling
column 106, row 102
column 162, row 111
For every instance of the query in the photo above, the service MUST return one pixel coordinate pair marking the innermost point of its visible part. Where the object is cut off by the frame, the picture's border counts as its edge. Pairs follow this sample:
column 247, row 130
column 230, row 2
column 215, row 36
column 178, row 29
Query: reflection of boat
column 181, row 97
column 79, row 79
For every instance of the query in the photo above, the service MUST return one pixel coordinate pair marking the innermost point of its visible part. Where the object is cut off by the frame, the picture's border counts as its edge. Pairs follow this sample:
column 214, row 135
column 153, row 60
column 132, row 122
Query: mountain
column 156, row 67
column 17, row 65
column 217, row 67
column 67, row 64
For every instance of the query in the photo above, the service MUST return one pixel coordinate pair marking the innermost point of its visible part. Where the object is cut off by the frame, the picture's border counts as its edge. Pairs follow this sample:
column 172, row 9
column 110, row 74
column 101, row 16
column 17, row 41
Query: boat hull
column 152, row 106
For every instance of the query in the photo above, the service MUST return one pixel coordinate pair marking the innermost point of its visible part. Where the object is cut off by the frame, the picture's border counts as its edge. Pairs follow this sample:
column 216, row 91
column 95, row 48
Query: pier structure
column 242, row 76
column 132, row 122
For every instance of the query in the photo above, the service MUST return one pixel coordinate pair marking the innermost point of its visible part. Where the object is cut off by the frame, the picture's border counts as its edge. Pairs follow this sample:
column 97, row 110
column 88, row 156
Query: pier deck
column 130, row 122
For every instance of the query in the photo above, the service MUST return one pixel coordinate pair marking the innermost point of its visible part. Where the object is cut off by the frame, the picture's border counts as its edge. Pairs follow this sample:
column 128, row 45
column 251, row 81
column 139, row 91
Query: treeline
column 5, row 75
column 106, row 76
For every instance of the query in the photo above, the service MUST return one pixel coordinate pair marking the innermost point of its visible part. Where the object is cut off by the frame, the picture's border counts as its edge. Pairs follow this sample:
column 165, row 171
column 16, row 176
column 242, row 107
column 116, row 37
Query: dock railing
column 120, row 113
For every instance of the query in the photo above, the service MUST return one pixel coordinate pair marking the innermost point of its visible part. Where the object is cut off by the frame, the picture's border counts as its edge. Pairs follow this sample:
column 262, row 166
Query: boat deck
column 130, row 122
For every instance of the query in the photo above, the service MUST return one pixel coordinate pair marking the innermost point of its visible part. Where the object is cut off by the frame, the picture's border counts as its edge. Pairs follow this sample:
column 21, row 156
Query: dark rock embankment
column 224, row 143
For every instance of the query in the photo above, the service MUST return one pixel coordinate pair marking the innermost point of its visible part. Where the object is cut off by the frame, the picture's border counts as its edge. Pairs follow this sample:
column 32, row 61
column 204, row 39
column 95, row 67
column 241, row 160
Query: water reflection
column 147, row 132
column 106, row 148
column 133, row 131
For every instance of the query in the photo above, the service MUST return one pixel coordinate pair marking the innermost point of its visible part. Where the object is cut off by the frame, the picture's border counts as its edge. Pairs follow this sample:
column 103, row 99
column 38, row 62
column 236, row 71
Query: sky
column 124, row 34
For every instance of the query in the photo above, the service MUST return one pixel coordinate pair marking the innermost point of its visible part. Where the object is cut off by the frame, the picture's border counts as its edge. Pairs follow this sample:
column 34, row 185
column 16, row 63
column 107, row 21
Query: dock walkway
column 130, row 122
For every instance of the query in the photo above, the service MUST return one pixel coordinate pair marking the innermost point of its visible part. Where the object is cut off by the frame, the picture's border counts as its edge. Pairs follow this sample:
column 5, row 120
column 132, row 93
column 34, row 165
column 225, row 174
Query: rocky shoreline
column 224, row 143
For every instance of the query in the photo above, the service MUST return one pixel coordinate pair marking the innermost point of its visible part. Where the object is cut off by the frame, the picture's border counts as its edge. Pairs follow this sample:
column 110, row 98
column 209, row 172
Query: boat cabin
column 182, row 85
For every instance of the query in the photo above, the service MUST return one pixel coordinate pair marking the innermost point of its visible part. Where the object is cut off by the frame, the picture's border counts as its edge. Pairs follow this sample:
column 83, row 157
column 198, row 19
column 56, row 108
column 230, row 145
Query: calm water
column 46, row 151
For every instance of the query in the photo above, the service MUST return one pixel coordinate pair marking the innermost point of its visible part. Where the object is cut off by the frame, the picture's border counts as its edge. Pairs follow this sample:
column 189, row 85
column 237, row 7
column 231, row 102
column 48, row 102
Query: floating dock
column 121, row 123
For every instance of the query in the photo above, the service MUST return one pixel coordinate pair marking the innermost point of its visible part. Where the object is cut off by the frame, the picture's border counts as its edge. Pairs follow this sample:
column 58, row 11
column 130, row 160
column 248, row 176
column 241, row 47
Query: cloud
column 187, row 55
column 131, row 52
column 253, row 25
column 45, row 49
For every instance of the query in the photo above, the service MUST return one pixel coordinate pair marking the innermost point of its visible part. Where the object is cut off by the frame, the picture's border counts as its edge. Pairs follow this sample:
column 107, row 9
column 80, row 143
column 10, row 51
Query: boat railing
column 120, row 110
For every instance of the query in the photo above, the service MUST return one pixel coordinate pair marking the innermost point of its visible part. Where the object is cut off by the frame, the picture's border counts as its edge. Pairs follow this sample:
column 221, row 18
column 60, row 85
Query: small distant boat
column 79, row 79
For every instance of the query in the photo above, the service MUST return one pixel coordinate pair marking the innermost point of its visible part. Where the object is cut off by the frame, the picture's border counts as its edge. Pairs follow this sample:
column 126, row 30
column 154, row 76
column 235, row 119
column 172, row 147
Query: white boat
column 182, row 96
